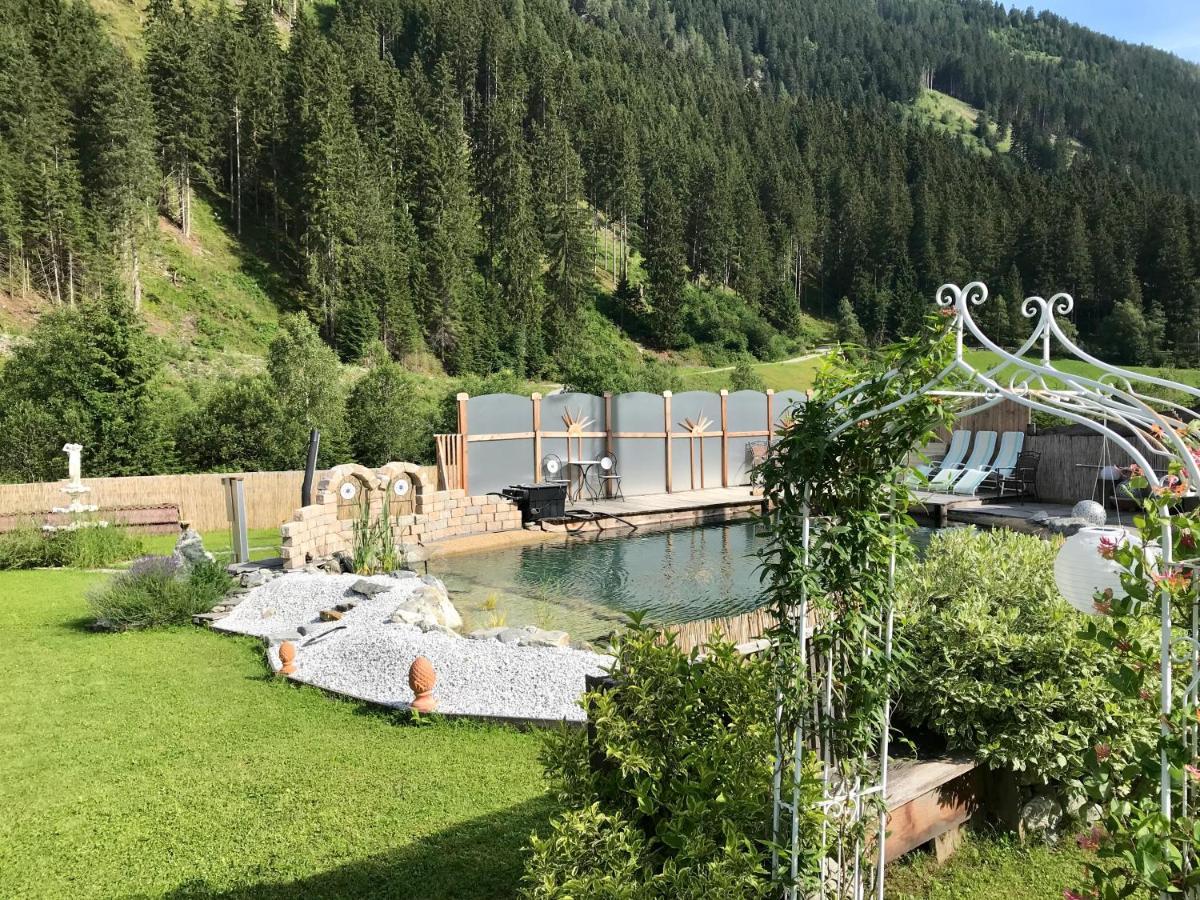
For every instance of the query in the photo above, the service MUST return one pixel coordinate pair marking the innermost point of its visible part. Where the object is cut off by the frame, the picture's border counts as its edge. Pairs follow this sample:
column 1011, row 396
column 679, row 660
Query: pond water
column 585, row 586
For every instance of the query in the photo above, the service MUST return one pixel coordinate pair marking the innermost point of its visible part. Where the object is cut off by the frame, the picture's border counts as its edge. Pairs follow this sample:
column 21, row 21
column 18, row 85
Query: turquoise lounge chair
column 960, row 440
column 981, row 455
column 1001, row 467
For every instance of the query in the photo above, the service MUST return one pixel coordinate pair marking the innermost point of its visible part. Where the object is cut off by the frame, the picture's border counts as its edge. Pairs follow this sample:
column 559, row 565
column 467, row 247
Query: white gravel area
column 369, row 658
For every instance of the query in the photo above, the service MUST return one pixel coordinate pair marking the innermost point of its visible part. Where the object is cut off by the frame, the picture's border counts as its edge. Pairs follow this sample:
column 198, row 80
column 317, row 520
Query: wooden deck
column 679, row 501
column 680, row 507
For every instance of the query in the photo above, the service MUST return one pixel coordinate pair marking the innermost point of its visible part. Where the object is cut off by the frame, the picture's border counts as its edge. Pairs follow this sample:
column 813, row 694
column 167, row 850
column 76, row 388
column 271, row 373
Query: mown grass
column 777, row 376
column 212, row 297
column 952, row 116
column 991, row 867
column 170, row 763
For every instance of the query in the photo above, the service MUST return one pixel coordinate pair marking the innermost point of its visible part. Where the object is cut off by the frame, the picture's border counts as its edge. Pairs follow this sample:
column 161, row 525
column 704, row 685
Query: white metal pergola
column 1115, row 404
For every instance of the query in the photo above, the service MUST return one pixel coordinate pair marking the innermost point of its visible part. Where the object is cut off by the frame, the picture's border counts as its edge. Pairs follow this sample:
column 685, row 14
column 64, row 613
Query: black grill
column 538, row 501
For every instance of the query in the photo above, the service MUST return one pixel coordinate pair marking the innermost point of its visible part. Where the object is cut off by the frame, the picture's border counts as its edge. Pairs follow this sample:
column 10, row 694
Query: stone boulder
column 537, row 637
column 189, row 548
column 1041, row 817
column 369, row 588
column 428, row 605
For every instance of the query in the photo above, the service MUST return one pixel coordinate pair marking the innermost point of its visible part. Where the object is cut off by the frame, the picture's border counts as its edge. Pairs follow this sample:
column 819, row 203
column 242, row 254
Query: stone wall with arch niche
column 419, row 513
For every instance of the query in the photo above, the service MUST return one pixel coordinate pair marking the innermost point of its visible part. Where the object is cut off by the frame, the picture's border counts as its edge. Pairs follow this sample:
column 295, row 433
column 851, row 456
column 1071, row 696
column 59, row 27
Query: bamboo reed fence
column 734, row 629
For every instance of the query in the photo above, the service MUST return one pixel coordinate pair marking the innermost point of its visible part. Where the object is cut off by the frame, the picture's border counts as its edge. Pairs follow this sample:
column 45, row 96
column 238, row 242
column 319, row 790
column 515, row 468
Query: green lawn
column 264, row 543
column 171, row 763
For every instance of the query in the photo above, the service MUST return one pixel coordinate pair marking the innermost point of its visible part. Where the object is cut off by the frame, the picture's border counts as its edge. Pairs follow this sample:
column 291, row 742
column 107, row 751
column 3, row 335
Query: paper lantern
column 1080, row 571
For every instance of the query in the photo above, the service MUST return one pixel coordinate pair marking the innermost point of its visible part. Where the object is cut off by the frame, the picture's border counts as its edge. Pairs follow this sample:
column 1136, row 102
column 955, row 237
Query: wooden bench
column 161, row 519
column 931, row 800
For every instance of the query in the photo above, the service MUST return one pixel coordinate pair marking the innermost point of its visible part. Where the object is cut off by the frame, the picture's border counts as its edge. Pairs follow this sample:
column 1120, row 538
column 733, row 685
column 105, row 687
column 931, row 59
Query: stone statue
column 74, row 463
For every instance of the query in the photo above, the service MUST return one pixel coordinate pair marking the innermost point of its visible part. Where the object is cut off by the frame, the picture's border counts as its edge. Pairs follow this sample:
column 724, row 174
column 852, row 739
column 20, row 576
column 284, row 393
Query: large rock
column 1040, row 817
column 429, row 605
column 369, row 588
column 189, row 548
column 536, row 637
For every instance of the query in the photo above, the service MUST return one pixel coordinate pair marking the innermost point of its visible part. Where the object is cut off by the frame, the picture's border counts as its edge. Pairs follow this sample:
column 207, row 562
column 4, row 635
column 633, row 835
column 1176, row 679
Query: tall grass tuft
column 87, row 547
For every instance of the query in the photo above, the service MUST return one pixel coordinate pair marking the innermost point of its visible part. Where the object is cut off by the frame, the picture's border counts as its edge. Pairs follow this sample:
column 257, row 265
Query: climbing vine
column 1137, row 847
column 838, row 477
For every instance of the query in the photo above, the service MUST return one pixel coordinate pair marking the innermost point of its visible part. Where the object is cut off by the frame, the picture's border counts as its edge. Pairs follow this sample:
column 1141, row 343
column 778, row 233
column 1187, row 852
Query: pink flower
column 1069, row 894
column 1193, row 772
column 1103, row 751
column 1187, row 540
column 1091, row 840
column 1108, row 547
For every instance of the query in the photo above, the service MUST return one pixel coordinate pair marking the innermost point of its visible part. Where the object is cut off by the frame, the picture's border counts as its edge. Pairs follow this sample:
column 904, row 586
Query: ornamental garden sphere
column 1081, row 570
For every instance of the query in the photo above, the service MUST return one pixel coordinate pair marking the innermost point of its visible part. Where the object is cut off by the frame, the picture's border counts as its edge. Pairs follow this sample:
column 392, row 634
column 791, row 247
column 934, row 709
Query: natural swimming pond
column 586, row 586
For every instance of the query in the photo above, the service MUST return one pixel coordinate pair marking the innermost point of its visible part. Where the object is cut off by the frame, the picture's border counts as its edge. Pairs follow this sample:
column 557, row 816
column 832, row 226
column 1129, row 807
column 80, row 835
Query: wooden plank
column 927, row 799
column 536, row 400
column 667, row 428
column 724, row 437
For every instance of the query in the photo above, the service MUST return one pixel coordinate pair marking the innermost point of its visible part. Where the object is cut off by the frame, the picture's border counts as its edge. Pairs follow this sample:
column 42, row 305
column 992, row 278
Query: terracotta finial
column 422, row 678
column 287, row 658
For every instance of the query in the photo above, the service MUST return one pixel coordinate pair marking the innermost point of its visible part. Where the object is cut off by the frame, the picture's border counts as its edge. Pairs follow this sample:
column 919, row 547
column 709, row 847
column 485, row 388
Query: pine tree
column 664, row 256
column 119, row 163
column 566, row 238
column 326, row 171
column 448, row 227
column 177, row 66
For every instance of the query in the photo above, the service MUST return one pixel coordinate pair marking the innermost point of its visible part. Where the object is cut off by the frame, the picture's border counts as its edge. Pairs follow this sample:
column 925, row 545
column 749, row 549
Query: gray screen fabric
column 747, row 412
column 499, row 414
column 641, row 461
column 697, row 461
column 560, row 409
column 492, row 465
column 784, row 399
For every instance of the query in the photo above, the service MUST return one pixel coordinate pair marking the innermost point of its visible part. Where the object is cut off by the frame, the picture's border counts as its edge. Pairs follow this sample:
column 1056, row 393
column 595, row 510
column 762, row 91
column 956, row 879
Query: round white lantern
column 401, row 486
column 1081, row 572
column 348, row 490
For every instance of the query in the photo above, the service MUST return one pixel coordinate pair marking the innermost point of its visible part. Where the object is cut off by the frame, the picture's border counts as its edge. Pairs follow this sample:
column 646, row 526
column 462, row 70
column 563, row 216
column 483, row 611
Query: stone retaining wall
column 419, row 513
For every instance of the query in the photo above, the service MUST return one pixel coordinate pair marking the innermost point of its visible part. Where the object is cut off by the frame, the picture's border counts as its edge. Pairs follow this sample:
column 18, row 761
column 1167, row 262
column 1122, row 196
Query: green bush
column 670, row 798
column 157, row 591
column 999, row 669
column 81, row 548
column 23, row 548
column 92, row 548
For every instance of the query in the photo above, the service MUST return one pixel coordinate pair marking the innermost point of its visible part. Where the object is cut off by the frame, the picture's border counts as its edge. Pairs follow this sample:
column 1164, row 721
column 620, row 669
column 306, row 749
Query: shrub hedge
column 999, row 669
column 157, row 591
column 88, row 547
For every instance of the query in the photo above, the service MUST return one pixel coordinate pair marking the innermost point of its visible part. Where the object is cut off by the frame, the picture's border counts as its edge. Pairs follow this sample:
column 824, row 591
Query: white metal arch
column 1115, row 405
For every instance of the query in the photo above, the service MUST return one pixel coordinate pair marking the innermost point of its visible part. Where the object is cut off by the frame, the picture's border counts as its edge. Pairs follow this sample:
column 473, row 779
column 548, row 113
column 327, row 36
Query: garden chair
column 972, row 479
column 610, row 478
column 552, row 469
column 955, row 451
column 981, row 455
column 1022, row 482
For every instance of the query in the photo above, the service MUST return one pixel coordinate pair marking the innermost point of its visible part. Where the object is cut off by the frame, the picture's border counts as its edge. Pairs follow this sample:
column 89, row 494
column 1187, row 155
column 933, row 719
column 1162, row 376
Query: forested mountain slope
column 454, row 175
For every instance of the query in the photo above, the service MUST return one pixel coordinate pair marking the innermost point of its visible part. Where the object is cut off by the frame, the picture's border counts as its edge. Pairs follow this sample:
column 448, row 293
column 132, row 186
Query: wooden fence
column 734, row 629
column 271, row 497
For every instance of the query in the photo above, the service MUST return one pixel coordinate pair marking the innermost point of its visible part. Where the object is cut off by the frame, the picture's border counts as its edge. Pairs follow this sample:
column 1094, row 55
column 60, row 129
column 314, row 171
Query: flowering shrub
column 998, row 670
column 157, row 591
column 670, row 795
column 1139, row 850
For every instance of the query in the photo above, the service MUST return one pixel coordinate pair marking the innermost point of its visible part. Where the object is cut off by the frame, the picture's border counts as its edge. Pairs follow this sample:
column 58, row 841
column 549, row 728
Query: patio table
column 583, row 468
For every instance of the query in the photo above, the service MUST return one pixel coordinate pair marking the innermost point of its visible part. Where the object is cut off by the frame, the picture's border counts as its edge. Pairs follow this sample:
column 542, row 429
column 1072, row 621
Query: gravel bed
column 369, row 658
